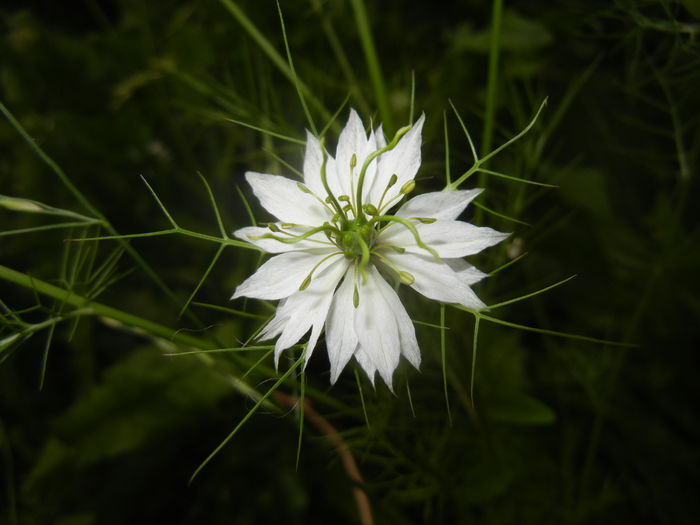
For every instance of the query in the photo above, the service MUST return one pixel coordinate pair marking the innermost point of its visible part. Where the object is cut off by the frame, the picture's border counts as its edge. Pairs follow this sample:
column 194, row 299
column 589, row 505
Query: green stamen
column 404, row 277
column 410, row 227
column 392, row 180
column 324, row 180
column 293, row 239
column 370, row 209
column 408, row 187
column 400, row 133
column 306, row 282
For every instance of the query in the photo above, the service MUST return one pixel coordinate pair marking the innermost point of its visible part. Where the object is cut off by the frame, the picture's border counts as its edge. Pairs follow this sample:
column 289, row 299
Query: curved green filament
column 306, row 282
column 392, row 181
column 355, row 291
column 297, row 238
column 392, row 202
column 360, row 182
column 304, row 189
column 404, row 277
column 364, row 259
column 397, row 249
column 324, row 181
column 410, row 227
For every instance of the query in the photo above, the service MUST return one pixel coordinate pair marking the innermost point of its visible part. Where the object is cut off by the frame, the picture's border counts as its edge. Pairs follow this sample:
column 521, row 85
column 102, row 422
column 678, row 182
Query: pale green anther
column 336, row 217
column 407, row 278
column 392, row 180
column 408, row 187
column 398, row 249
column 288, row 225
column 329, row 200
column 305, row 284
column 273, row 227
column 347, row 208
column 426, row 220
column 303, row 188
column 353, row 161
column 344, row 198
column 355, row 297
column 370, row 209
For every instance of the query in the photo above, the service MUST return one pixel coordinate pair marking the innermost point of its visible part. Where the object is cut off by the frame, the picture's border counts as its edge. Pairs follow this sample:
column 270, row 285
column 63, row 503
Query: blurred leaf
column 519, row 35
column 142, row 398
column 518, row 409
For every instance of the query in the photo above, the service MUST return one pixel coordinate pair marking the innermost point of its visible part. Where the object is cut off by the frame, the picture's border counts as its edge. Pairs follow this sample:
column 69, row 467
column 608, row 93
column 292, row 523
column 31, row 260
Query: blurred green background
column 560, row 430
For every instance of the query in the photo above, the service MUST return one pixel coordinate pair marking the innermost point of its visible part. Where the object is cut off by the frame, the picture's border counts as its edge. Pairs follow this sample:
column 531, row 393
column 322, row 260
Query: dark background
column 560, row 431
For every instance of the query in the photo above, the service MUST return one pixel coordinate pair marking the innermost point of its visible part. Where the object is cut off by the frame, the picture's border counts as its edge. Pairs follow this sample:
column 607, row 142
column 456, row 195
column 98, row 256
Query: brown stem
column 364, row 508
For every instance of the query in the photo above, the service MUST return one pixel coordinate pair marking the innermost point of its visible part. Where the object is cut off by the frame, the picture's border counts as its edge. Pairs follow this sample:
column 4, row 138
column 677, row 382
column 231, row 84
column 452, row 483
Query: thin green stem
column 443, row 358
column 295, row 77
column 532, row 294
column 266, row 131
column 477, row 318
column 478, row 163
column 373, row 66
column 142, row 326
column 362, row 399
column 410, row 227
column 94, row 211
column 252, row 411
column 492, row 82
column 269, row 50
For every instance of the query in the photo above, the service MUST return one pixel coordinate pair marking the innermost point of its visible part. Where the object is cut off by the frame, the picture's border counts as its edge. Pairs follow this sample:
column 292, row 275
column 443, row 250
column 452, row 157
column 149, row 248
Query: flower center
column 354, row 237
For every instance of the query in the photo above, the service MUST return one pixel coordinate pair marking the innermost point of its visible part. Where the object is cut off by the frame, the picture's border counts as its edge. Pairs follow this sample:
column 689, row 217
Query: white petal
column 376, row 327
column 403, row 160
column 249, row 234
column 436, row 280
column 352, row 141
column 282, row 275
column 366, row 363
column 283, row 199
column 449, row 239
column 313, row 160
column 309, row 309
column 468, row 273
column 381, row 139
column 407, row 332
column 441, row 205
column 341, row 339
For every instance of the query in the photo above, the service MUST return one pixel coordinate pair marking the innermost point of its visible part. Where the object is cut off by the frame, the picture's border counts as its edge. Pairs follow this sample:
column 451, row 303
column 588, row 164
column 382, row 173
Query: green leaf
column 518, row 409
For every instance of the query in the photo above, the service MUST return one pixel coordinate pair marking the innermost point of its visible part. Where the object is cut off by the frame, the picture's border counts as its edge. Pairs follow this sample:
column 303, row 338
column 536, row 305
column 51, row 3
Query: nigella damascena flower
column 338, row 245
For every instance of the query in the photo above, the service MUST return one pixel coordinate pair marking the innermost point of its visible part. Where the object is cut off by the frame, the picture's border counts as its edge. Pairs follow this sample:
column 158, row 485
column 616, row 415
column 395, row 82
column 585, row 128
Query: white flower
column 338, row 246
